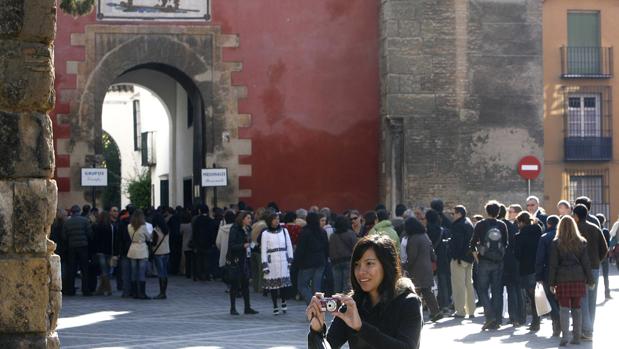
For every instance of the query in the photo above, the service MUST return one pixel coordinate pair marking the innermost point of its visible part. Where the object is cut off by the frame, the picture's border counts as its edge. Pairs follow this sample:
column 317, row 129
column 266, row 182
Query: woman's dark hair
column 413, row 226
column 524, row 217
column 313, row 220
column 159, row 221
column 104, row 218
column 432, row 217
column 289, row 217
column 269, row 217
column 388, row 257
column 240, row 217
column 186, row 216
column 137, row 219
column 502, row 211
column 229, row 217
column 370, row 217
column 342, row 224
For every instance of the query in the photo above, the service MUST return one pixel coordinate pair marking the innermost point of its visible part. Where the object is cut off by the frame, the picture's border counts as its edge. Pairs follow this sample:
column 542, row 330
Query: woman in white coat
column 276, row 252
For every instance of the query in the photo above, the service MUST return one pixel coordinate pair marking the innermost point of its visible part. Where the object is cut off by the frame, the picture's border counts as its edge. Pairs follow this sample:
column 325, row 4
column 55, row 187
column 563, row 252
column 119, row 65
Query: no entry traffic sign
column 529, row 167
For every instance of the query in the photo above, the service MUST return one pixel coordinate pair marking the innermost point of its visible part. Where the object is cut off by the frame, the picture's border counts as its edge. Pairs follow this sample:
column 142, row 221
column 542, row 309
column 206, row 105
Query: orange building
column 581, row 154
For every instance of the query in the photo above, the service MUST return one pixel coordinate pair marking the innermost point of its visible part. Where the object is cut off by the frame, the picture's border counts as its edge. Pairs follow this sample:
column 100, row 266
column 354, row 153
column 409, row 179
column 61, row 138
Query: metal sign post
column 94, row 177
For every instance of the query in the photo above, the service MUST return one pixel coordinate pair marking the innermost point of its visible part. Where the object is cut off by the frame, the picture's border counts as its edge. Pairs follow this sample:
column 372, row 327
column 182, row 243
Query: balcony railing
column 588, row 148
column 586, row 62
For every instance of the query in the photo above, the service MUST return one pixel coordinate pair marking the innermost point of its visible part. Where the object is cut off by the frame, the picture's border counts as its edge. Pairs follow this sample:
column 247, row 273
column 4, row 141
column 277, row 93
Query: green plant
column 77, row 7
column 111, row 161
column 138, row 189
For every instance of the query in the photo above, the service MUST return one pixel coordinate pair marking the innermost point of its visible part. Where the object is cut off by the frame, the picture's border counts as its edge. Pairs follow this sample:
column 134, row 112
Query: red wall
column 311, row 72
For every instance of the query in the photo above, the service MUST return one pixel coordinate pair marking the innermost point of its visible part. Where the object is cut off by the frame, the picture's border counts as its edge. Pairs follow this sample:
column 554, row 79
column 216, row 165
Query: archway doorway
column 151, row 113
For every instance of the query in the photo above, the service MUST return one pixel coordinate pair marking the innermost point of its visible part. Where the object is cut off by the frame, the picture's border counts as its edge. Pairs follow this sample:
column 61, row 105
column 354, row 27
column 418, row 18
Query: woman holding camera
column 383, row 310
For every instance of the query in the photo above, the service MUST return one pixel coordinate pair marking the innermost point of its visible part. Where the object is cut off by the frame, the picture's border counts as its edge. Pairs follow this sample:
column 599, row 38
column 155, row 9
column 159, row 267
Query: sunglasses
column 353, row 218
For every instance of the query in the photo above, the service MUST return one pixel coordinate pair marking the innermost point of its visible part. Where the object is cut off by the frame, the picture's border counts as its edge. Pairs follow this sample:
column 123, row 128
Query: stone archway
column 192, row 56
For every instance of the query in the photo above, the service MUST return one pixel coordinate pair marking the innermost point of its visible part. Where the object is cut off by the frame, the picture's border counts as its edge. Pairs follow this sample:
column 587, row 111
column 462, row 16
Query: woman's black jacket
column 394, row 325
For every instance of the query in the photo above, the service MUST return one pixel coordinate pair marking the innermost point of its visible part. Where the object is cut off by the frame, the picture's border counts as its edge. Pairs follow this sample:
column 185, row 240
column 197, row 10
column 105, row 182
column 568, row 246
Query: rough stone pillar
column 465, row 77
column 30, row 286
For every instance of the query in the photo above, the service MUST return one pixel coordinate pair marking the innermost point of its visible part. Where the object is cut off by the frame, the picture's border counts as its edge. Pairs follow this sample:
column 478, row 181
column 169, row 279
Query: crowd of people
column 455, row 264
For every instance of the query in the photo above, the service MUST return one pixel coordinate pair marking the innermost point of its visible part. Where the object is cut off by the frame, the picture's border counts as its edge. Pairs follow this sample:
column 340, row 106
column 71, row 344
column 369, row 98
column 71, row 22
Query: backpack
column 492, row 247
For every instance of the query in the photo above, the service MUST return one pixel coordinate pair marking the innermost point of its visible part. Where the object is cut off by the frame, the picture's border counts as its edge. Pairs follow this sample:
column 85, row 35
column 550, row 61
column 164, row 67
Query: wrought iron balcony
column 586, row 62
column 588, row 148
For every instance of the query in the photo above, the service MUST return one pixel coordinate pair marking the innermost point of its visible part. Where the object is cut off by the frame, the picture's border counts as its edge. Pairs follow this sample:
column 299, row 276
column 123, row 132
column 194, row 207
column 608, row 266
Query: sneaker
column 586, row 337
column 284, row 308
column 275, row 311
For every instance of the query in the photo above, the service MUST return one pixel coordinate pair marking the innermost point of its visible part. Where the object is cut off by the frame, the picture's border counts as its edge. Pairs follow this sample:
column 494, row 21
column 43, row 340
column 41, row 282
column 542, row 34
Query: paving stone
column 195, row 315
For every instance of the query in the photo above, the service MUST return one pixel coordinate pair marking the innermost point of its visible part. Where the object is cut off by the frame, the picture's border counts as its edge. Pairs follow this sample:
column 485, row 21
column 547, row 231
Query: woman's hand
column 315, row 316
column 351, row 316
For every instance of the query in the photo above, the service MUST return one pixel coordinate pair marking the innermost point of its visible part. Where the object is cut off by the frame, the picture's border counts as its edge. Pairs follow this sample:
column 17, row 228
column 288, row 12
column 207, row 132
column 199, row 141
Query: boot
column 248, row 309
column 134, row 290
column 564, row 323
column 107, row 287
column 101, row 288
column 162, row 288
column 233, row 301
column 142, row 290
column 577, row 324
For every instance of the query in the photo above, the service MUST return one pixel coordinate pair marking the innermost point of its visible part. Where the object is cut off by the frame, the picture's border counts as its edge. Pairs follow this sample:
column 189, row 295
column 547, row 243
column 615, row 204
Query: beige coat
column 138, row 248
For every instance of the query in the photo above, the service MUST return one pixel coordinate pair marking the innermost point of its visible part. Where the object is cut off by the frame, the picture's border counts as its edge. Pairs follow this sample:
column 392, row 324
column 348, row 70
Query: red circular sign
column 529, row 167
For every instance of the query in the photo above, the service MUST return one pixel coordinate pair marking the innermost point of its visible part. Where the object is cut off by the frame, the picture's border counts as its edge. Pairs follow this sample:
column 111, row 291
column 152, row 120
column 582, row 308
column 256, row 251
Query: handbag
column 541, row 301
column 231, row 272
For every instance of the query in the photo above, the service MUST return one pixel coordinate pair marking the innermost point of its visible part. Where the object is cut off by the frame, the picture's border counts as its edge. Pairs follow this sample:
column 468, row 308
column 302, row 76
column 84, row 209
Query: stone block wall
column 29, row 271
column 461, row 99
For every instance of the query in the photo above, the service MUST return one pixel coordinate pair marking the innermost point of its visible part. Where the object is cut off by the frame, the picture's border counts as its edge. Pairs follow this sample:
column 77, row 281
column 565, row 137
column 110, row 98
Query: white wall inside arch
column 163, row 103
column 117, row 121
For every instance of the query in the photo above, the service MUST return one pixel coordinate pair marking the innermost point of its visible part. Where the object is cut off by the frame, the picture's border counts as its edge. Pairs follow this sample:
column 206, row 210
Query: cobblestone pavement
column 195, row 315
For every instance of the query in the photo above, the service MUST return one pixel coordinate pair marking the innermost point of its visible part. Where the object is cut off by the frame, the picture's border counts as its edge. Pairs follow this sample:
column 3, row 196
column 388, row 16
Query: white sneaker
column 284, row 308
column 275, row 311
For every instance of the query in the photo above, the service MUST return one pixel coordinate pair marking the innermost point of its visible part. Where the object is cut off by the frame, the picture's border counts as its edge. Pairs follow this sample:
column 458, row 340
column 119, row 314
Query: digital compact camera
column 332, row 304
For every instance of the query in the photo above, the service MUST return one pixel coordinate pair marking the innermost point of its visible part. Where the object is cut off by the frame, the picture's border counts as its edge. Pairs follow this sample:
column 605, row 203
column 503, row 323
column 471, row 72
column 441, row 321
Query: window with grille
column 592, row 183
column 584, row 115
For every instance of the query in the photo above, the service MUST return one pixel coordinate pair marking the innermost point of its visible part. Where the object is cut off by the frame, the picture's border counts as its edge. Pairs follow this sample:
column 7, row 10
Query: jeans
column 305, row 276
column 77, row 256
column 490, row 277
column 515, row 302
column 162, row 262
column 341, row 277
column 588, row 303
column 125, row 268
column 604, row 265
column 444, row 289
column 138, row 269
column 554, row 304
column 104, row 264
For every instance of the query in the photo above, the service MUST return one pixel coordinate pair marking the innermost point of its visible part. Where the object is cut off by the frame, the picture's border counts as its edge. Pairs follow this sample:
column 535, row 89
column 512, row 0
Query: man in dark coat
column 77, row 231
column 542, row 266
column 461, row 264
column 597, row 250
column 203, row 241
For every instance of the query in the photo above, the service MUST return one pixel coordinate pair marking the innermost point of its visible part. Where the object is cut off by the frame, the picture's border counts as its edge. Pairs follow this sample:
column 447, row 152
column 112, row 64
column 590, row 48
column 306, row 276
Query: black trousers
column 77, row 256
column 239, row 285
column 188, row 263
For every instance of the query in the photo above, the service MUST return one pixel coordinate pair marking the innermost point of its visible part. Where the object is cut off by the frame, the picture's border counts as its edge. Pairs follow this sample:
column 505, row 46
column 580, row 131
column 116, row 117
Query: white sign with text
column 214, row 177
column 94, row 177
